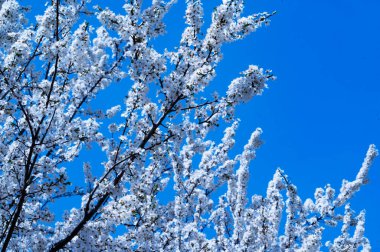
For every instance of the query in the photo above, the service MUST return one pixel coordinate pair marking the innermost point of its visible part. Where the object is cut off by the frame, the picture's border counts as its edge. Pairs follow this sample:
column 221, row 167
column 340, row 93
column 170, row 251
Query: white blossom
column 158, row 142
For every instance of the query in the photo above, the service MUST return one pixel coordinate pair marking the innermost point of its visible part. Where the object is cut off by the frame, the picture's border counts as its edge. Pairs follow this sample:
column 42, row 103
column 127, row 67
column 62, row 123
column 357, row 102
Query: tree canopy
column 156, row 139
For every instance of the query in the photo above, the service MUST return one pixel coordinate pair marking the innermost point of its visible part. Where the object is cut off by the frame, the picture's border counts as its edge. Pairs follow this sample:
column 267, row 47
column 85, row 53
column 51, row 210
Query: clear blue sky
column 323, row 111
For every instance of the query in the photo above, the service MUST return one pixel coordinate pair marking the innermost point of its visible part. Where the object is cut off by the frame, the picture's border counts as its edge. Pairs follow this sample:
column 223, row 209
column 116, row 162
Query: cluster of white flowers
column 49, row 71
column 252, row 83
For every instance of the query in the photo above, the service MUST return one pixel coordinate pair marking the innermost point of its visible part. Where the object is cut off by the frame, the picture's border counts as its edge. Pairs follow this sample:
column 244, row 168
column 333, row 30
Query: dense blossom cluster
column 51, row 67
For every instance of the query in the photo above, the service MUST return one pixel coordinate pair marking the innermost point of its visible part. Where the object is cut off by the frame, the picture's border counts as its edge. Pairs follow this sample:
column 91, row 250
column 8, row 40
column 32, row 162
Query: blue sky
column 323, row 111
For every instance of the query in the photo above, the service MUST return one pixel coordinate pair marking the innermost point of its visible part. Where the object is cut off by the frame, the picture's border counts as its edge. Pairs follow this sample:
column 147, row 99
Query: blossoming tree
column 157, row 139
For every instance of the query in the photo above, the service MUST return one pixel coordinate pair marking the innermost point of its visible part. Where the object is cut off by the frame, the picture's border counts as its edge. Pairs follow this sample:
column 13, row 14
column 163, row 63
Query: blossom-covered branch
column 158, row 141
